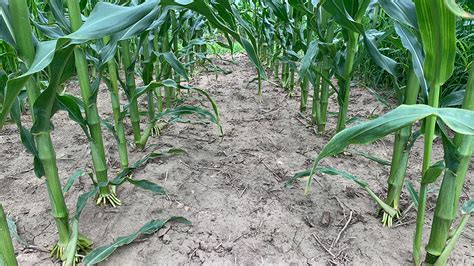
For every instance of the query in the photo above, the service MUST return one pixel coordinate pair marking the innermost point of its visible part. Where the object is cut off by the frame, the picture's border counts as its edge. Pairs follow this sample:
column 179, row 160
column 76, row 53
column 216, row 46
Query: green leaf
column 371, row 157
column 175, row 64
column 432, row 174
column 457, row 10
column 413, row 45
column 44, row 56
column 403, row 11
column 70, row 181
column 381, row 60
column 107, row 19
column 454, row 99
column 361, row 183
column 437, row 25
column 461, row 121
column 412, row 192
column 101, row 253
column 43, row 107
column 70, row 104
column 147, row 185
column 342, row 16
column 308, row 58
column 468, row 207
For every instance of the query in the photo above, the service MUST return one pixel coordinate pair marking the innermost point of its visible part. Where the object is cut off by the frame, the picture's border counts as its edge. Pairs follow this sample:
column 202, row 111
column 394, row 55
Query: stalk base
column 84, row 246
column 108, row 199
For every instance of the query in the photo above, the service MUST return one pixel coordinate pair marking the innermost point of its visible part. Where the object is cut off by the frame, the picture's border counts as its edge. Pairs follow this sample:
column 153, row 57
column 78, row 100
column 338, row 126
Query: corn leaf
column 403, row 11
column 361, row 183
column 101, row 253
column 107, row 19
column 468, row 207
column 457, row 10
column 437, row 25
column 413, row 45
column 461, row 121
column 70, row 181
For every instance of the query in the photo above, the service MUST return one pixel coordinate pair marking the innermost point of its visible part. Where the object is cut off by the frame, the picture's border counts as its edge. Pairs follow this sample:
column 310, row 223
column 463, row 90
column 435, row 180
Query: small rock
column 325, row 219
column 228, row 246
column 166, row 239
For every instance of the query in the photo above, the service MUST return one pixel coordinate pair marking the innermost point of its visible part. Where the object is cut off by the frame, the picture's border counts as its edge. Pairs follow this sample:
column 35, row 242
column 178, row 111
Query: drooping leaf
column 461, row 121
column 101, row 253
column 403, row 11
column 414, row 46
column 361, row 183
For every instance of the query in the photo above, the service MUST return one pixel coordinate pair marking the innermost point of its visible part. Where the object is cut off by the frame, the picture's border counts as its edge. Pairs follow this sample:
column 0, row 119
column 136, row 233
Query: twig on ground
column 323, row 246
column 342, row 231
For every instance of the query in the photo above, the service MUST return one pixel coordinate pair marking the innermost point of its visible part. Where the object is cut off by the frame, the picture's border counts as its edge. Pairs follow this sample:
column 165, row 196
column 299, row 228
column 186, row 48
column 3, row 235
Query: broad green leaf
column 454, row 99
column 461, row 121
column 107, row 19
column 188, row 110
column 44, row 106
column 175, row 64
column 414, row 46
column 381, row 60
column 6, row 30
column 403, row 11
column 333, row 171
column 69, row 104
column 342, row 16
column 308, row 58
column 437, row 25
column 101, row 253
column 44, row 56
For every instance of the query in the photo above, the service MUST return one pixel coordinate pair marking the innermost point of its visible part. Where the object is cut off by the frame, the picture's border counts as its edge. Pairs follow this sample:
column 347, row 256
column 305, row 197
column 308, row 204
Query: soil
column 230, row 187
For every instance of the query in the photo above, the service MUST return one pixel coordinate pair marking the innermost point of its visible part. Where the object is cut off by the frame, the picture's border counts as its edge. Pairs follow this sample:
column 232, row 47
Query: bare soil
column 231, row 188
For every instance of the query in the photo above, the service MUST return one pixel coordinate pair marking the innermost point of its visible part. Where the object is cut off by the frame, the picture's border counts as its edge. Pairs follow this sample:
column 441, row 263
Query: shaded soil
column 231, row 188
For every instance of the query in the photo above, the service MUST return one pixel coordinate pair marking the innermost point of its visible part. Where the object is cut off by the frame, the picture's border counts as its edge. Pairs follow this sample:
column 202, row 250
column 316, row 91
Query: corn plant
column 458, row 153
column 436, row 24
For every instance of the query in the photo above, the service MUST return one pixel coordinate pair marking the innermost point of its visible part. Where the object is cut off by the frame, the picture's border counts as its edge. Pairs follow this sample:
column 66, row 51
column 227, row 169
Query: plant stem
column 400, row 151
column 128, row 66
column 451, row 186
column 118, row 121
column 7, row 253
column 90, row 105
column 345, row 84
column 46, row 154
column 315, row 112
column 326, row 70
column 430, row 124
column 58, row 205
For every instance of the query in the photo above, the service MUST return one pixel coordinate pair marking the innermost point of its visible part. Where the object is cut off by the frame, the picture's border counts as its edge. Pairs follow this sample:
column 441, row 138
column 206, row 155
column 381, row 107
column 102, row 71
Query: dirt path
column 231, row 188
